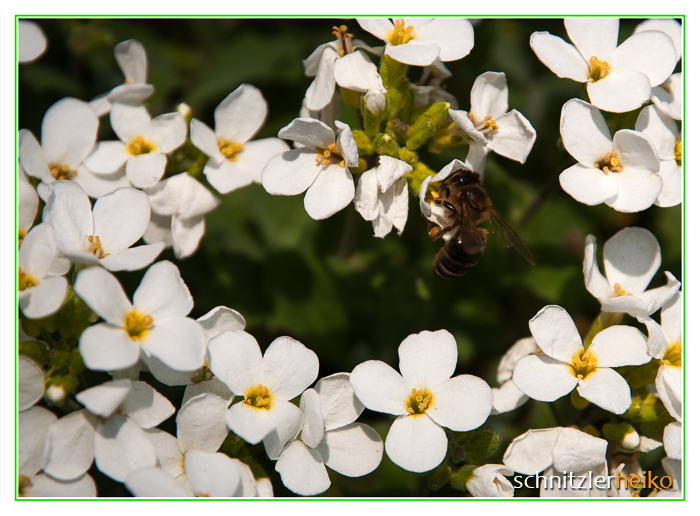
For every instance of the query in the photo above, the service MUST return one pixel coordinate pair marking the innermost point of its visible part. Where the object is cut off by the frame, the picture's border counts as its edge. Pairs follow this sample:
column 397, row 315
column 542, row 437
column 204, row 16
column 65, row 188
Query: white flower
column 267, row 383
column 559, row 451
column 155, row 324
column 631, row 258
column 215, row 322
column 68, row 134
column 328, row 114
column 565, row 365
column 382, row 195
column 102, row 234
column 665, row 344
column 489, row 481
column 338, row 62
column 663, row 132
column 41, row 284
column 329, row 437
column 143, row 146
column 489, row 126
column 508, row 397
column 31, row 42
column 420, row 41
column 674, row 470
column 178, row 206
column 673, row 441
column 132, row 60
column 321, row 166
column 621, row 171
column 618, row 79
column 28, row 204
column 234, row 162
column 425, row 398
column 210, row 475
column 668, row 96
column 111, row 429
column 668, row 26
column 30, row 388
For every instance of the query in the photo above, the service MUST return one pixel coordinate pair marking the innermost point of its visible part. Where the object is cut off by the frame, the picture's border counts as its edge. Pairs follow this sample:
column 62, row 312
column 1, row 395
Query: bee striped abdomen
column 453, row 260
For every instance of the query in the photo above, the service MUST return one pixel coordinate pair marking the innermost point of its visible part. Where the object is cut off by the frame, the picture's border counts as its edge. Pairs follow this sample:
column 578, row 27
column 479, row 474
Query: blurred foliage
column 330, row 284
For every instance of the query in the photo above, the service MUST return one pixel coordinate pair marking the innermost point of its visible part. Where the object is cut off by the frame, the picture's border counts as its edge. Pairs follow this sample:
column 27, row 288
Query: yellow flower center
column 344, row 40
column 330, row 154
column 137, row 324
column 61, row 171
column 23, row 482
column 26, row 281
column 583, row 363
column 674, row 355
column 609, row 163
column 419, row 401
column 258, row 397
column 597, row 69
column 678, row 152
column 621, row 291
column 139, row 146
column 95, row 247
column 487, row 125
column 400, row 34
column 230, row 150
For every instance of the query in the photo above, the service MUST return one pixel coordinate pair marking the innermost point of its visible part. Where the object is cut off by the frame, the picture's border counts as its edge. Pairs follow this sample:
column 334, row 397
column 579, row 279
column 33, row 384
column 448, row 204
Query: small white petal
column 170, row 458
column 390, row 170
column 559, row 56
column 427, row 359
column 578, row 451
column 200, row 423
column 32, row 157
column 132, row 259
column 346, row 144
column 672, row 191
column 107, row 158
column 650, row 52
column 380, row 388
column 145, row 170
column 32, row 433
column 235, row 359
column 131, row 58
column 637, row 190
column 607, row 389
column 31, row 383
column 531, row 452
column 309, row 132
column 339, row 405
column 507, row 397
column 454, row 36
column 461, row 403
column 104, row 347
column 99, row 185
column 353, row 450
column 489, row 481
column 104, row 295
column 416, row 443
column 355, row 71
column 668, row 96
column 589, row 185
column 593, row 36
column 250, row 423
column 205, row 140
column 414, row 53
column 121, row 447
column 68, row 132
column 619, row 346
column 129, row 120
column 28, row 204
column 146, row 406
column 514, row 137
column 302, row 470
column 291, row 172
column 669, row 386
column 163, row 293
column 288, row 367
column 219, row 320
column 211, row 474
column 45, row 298
column 31, row 41
column 178, row 342
column 121, row 218
column 288, row 420
column 330, row 192
column 489, row 96
column 366, row 195
column 555, row 333
column 240, row 115
column 213, row 386
column 72, row 445
column 154, row 483
column 521, row 348
column 167, row 132
column 45, row 486
column 673, row 441
column 584, row 132
column 619, row 92
column 543, row 378
column 632, row 257
column 312, row 431
column 124, row 93
column 596, row 283
column 104, row 399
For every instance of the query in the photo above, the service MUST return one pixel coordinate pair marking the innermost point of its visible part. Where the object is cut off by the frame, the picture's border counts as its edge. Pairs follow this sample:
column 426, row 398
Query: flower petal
column 507, row 397
column 45, row 298
column 211, row 474
column 146, row 170
column 104, row 295
column 121, row 218
column 250, row 423
column 593, row 36
column 312, row 431
column 379, row 27
column 673, row 441
column 619, row 92
column 302, row 470
column 121, row 447
column 332, row 191
column 353, row 450
column 339, row 405
column 204, row 138
column 30, row 383
column 559, row 56
column 240, row 115
column 235, row 358
column 288, row 420
column 129, row 120
column 99, row 185
column 672, row 191
column 380, row 388
column 32, row 433
column 401, row 441
column 414, row 53
column 607, row 389
column 596, row 283
column 132, row 259
column 531, row 452
column 32, row 157
column 146, row 406
column 669, row 386
column 290, row 172
column 454, row 36
column 578, row 451
column 366, row 196
column 584, row 132
column 427, row 359
column 489, row 96
column 45, row 486
column 72, row 445
column 200, row 423
column 637, row 190
column 660, row 129
column 619, row 346
column 461, row 403
column 178, row 342
column 668, row 96
column 346, row 144
column 355, row 71
column 167, row 131
column 154, row 483
column 107, row 158
column 104, row 399
column 68, row 132
column 70, row 216
column 288, row 368
column 28, row 202
column 162, row 293
column 544, row 378
column 31, row 41
column 390, row 170
column 672, row 317
column 555, row 333
column 650, row 52
column 514, row 137
column 309, row 132
column 104, row 347
column 221, row 319
column 632, row 257
column 131, row 58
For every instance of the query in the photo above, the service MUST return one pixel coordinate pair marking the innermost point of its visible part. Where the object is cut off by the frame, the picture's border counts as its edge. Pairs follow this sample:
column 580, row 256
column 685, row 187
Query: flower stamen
column 583, row 363
column 330, row 154
column 678, row 152
column 230, row 150
column 598, row 69
column 95, row 247
column 344, row 40
column 258, row 397
column 61, row 171
column 674, row 355
column 620, row 291
column 609, row 163
column 139, row 146
column 400, row 34
column 419, row 402
column 25, row 281
column 487, row 125
column 137, row 324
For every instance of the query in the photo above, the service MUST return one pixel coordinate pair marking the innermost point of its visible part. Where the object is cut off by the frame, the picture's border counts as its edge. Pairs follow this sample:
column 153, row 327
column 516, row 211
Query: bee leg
column 434, row 229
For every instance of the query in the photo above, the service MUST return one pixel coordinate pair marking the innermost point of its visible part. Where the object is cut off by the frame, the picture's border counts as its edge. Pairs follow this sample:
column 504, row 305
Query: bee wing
column 508, row 237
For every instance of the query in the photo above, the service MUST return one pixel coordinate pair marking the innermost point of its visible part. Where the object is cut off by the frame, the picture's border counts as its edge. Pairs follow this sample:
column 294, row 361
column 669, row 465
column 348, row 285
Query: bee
column 466, row 204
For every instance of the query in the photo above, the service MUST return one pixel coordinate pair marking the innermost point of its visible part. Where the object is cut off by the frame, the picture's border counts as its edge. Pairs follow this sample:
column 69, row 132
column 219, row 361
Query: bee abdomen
column 453, row 261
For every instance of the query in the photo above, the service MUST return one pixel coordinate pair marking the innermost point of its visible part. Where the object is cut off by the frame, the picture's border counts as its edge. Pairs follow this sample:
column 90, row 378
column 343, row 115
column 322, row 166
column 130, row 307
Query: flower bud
column 429, row 122
column 375, row 101
column 386, row 145
column 489, row 481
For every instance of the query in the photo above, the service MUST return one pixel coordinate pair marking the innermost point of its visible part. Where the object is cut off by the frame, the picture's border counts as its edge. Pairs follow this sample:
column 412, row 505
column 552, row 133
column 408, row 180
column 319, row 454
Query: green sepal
column 426, row 124
column 396, row 98
column 647, row 408
column 391, row 70
column 234, row 447
column 74, row 316
column 370, row 122
column 363, row 142
column 35, row 350
column 385, row 145
column 446, row 142
column 616, row 432
column 34, row 327
column 480, row 444
column 407, row 109
column 439, row 477
column 416, row 176
column 76, row 365
column 642, row 375
column 577, row 401
column 459, row 480
column 361, row 166
column 408, row 156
